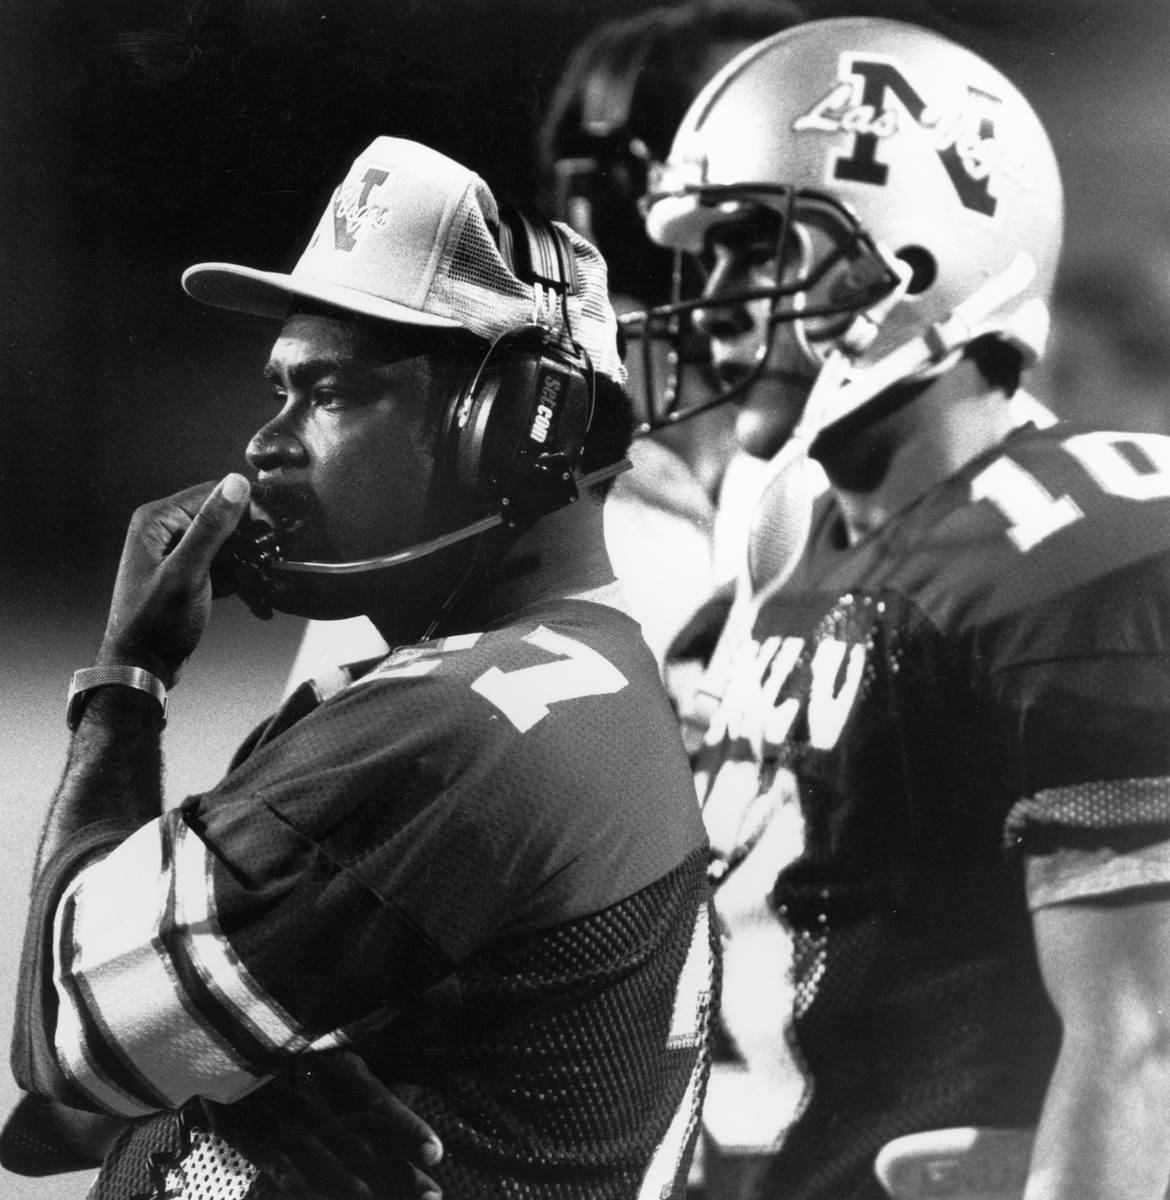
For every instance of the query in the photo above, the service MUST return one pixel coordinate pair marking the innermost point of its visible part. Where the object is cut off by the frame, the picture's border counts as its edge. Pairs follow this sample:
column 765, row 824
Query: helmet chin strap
column 842, row 388
column 781, row 522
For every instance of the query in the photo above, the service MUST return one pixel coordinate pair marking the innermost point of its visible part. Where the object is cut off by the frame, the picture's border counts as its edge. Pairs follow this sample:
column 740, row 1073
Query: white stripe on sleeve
column 116, row 986
column 212, row 955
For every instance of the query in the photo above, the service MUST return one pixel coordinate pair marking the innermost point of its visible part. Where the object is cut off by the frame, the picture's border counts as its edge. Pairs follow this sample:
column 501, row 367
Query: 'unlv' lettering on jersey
column 763, row 709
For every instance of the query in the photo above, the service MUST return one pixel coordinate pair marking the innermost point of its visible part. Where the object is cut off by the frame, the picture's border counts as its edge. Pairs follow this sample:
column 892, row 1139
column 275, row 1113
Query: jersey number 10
column 1033, row 513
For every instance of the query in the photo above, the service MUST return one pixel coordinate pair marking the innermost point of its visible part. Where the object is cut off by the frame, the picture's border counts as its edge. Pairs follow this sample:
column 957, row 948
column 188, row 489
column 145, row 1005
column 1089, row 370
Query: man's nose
column 722, row 317
column 275, row 445
column 722, row 322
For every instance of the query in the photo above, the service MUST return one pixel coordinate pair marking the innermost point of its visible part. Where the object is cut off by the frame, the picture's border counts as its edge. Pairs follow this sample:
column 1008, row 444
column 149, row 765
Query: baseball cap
column 407, row 237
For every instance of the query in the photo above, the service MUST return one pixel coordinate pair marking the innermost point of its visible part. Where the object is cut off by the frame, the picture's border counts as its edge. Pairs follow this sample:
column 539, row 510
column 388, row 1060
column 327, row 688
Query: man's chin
column 317, row 597
column 761, row 429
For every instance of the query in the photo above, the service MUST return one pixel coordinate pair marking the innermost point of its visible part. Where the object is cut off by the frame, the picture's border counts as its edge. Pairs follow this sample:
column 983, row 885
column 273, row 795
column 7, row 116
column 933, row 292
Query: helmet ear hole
column 923, row 268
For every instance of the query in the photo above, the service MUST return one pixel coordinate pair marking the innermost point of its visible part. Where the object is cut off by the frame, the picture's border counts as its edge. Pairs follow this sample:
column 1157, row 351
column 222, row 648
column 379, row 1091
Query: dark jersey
column 981, row 684
column 479, row 862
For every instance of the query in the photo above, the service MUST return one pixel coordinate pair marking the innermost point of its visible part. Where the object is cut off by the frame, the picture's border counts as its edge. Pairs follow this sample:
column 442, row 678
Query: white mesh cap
column 407, row 237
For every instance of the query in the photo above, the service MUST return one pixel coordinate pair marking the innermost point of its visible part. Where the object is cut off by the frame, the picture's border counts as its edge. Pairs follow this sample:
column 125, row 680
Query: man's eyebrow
column 308, row 371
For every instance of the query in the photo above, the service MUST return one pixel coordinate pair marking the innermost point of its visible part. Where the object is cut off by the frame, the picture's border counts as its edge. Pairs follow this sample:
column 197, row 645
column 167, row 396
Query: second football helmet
column 918, row 197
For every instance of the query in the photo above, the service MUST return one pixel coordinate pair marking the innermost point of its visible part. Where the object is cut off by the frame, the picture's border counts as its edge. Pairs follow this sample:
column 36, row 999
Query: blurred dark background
column 138, row 137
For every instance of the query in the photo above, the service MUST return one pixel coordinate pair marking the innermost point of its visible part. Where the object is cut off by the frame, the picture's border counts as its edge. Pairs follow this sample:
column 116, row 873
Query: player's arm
column 111, row 785
column 159, row 609
column 1106, row 964
column 103, row 1045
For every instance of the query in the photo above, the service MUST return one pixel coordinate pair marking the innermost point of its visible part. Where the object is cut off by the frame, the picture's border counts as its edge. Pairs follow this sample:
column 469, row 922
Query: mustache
column 286, row 503
column 295, row 513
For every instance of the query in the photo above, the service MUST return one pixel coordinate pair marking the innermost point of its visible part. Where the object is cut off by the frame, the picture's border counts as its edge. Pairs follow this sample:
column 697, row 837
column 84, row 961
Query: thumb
column 211, row 526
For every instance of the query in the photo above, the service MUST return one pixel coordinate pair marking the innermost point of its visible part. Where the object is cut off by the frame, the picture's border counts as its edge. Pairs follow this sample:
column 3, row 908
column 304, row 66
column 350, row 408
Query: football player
column 477, row 861
column 937, row 782
column 674, row 524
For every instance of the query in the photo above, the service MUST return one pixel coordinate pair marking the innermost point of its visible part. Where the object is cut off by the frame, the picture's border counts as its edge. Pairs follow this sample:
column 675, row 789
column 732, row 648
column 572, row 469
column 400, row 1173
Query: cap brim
column 271, row 294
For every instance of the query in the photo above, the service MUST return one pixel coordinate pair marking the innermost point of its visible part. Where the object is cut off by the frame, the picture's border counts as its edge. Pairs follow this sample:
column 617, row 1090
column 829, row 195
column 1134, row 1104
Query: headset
column 511, row 438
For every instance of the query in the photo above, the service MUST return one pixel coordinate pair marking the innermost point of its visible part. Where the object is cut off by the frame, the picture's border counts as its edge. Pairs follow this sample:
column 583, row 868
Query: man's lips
column 284, row 525
column 288, row 511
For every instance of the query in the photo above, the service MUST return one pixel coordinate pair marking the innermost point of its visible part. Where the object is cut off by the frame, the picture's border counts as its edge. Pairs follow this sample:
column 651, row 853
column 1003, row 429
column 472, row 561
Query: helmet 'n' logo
column 966, row 149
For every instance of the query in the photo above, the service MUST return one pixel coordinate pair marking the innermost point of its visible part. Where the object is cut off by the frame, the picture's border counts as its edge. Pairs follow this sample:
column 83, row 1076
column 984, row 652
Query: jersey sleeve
column 34, row 1060
column 246, row 927
column 1087, row 693
column 265, row 918
column 1068, row 874
column 1095, row 762
column 346, row 865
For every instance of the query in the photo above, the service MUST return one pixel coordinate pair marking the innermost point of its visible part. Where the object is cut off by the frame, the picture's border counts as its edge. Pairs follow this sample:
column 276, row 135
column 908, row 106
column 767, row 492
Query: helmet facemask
column 826, row 278
column 887, row 139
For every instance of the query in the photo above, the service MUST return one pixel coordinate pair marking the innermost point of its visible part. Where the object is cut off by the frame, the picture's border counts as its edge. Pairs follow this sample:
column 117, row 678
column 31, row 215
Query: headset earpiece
column 538, row 252
column 513, row 436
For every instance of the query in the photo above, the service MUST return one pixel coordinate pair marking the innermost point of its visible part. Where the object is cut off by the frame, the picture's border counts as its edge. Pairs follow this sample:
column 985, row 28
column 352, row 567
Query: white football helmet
column 919, row 197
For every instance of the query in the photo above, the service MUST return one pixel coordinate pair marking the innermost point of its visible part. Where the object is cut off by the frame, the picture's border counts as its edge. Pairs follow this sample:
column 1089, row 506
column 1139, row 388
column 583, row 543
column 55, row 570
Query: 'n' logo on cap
column 352, row 210
column 967, row 149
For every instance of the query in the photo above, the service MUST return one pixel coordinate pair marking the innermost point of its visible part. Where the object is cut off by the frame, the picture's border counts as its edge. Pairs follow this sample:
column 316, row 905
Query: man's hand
column 162, row 596
column 331, row 1128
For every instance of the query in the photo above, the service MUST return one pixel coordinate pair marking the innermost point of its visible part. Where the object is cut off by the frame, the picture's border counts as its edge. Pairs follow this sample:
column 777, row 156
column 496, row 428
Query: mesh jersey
column 987, row 673
column 480, row 862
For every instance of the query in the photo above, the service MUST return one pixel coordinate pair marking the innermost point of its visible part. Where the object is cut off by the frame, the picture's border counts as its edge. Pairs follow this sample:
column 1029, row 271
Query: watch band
column 89, row 678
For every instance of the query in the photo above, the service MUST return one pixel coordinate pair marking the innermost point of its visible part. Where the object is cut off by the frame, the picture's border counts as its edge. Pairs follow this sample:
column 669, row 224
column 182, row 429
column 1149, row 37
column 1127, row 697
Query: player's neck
column 561, row 554
column 951, row 423
column 705, row 443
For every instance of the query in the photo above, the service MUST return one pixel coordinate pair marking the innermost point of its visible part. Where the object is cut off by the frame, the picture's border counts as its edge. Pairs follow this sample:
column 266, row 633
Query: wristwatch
column 88, row 678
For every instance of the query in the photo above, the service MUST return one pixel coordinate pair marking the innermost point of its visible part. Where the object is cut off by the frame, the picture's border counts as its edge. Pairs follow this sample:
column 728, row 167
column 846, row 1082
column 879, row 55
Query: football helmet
column 918, row 200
